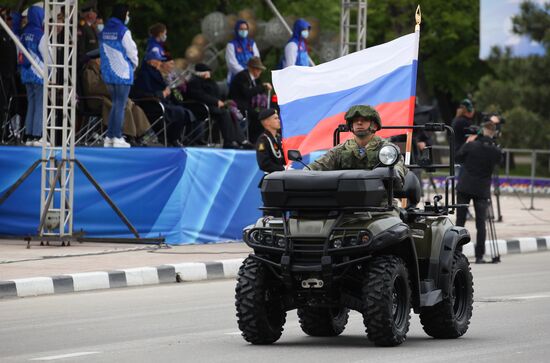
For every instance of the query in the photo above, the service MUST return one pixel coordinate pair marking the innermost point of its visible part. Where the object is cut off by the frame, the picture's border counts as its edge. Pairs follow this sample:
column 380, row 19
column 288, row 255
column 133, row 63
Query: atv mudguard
column 453, row 239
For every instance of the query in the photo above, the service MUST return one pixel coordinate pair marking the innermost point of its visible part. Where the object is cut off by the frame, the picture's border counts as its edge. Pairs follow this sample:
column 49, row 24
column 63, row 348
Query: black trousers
column 179, row 117
column 231, row 132
column 480, row 207
column 255, row 127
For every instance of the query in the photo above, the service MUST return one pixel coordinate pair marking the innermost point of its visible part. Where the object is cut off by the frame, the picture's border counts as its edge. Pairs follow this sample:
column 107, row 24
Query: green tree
column 449, row 67
column 519, row 88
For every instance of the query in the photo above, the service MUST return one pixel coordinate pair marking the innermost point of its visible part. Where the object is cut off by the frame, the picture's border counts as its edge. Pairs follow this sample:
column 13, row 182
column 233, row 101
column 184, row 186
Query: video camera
column 483, row 118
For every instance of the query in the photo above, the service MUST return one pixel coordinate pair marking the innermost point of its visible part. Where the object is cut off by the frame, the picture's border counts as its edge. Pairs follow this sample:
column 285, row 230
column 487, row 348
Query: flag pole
column 408, row 145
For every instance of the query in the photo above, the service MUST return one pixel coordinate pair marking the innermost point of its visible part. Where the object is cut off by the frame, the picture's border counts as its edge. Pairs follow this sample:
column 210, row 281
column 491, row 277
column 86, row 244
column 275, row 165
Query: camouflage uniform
column 349, row 155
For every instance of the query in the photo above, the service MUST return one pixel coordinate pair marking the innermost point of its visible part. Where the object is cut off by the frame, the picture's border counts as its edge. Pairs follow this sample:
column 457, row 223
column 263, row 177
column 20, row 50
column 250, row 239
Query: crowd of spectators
column 131, row 91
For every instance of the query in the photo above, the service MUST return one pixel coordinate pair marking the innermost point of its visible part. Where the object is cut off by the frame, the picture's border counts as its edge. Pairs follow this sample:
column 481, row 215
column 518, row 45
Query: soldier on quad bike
column 332, row 240
column 361, row 151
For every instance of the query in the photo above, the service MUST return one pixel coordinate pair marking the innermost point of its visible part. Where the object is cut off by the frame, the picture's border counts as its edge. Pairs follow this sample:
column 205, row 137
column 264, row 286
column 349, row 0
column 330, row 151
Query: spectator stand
column 58, row 162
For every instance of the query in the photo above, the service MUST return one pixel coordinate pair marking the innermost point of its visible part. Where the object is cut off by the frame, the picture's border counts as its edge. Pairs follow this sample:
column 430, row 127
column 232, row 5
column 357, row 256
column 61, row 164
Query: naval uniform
column 269, row 153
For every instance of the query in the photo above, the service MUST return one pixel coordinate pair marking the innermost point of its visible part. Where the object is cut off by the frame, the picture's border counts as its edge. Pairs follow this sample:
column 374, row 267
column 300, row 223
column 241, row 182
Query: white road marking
column 544, row 295
column 70, row 355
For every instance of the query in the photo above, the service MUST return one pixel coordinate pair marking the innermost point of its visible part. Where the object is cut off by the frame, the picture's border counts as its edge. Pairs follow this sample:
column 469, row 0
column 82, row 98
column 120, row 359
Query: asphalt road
column 196, row 322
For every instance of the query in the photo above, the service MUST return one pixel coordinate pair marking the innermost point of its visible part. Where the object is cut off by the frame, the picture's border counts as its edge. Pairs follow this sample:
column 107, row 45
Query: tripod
column 496, row 191
column 492, row 233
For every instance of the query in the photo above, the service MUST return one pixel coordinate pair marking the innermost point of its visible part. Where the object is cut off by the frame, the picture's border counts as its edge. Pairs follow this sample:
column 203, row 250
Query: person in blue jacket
column 158, row 35
column 119, row 59
column 296, row 48
column 32, row 37
column 239, row 50
column 151, row 83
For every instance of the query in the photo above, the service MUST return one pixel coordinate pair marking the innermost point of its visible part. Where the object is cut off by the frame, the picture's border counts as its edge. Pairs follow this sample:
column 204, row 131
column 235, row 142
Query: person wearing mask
column 269, row 147
column 119, row 59
column 157, row 37
column 87, row 34
column 202, row 88
column 244, row 87
column 239, row 50
column 479, row 156
column 99, row 25
column 296, row 48
column 32, row 37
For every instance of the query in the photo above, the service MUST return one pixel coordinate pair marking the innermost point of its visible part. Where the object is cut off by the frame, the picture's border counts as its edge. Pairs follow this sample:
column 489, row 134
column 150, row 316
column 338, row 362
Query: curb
column 191, row 271
column 141, row 276
column 511, row 246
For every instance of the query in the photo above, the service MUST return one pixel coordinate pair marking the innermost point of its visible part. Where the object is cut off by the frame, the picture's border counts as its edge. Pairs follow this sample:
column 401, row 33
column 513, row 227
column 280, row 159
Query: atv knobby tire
column 450, row 318
column 323, row 322
column 260, row 313
column 386, row 301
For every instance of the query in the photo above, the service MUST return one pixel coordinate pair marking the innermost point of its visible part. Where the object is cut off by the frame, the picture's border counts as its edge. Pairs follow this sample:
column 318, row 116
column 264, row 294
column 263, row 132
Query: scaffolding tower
column 359, row 41
column 59, row 115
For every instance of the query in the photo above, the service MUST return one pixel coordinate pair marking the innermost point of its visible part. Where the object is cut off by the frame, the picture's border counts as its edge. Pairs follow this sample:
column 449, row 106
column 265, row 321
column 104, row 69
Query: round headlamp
column 388, row 155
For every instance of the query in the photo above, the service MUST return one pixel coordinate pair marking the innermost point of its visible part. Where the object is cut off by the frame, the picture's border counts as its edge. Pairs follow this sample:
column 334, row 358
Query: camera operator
column 478, row 156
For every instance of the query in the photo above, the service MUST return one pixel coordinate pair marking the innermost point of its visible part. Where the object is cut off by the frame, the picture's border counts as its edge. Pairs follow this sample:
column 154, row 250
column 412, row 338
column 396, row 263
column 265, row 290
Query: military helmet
column 365, row 111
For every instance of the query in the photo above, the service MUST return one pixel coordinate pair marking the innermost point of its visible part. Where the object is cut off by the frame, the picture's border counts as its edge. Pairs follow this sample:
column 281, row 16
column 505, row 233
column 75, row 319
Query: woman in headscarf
column 239, row 50
column 33, row 39
column 296, row 48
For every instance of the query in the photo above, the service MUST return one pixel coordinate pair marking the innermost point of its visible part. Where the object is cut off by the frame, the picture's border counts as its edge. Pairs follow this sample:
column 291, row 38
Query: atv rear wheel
column 323, row 322
column 260, row 312
column 386, row 301
column 450, row 318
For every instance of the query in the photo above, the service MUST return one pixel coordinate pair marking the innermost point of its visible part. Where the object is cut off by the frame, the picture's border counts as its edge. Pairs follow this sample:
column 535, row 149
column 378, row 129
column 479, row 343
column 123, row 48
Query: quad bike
column 331, row 241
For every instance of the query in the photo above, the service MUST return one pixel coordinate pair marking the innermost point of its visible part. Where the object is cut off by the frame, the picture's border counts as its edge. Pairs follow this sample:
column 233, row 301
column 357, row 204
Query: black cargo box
column 322, row 189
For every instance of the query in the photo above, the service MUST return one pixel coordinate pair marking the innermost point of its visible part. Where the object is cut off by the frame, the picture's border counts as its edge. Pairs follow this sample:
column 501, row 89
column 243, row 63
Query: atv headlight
column 388, row 155
column 255, row 236
column 362, row 238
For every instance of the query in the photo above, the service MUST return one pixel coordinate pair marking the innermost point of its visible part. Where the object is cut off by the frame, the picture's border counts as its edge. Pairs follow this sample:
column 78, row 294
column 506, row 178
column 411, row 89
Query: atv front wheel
column 450, row 318
column 386, row 301
column 323, row 322
column 260, row 312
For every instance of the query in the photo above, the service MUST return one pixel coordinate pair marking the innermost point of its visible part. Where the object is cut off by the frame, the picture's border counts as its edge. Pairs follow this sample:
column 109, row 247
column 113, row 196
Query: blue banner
column 189, row 195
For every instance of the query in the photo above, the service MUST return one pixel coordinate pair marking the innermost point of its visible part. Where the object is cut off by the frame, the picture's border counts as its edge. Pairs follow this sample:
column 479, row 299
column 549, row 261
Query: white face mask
column 127, row 20
column 100, row 27
column 305, row 34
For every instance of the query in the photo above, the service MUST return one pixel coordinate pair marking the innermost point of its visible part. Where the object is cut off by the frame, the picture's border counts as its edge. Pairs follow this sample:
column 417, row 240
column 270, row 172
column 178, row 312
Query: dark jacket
column 149, row 82
column 8, row 69
column 478, row 159
column 269, row 153
column 204, row 90
column 8, row 61
column 87, row 41
column 459, row 125
column 243, row 89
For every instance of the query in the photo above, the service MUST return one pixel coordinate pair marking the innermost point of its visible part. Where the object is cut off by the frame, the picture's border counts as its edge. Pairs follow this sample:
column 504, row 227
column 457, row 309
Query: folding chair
column 154, row 110
column 91, row 132
column 12, row 133
column 202, row 113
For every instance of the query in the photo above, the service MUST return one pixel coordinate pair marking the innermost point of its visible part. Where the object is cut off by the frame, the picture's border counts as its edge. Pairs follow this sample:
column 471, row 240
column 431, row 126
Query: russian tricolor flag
column 313, row 100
